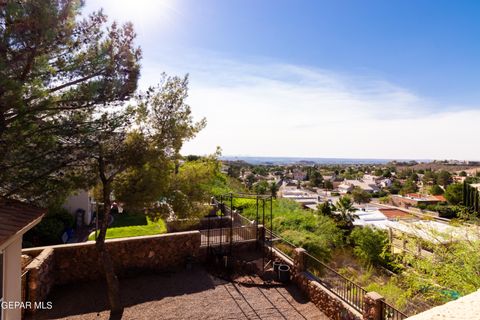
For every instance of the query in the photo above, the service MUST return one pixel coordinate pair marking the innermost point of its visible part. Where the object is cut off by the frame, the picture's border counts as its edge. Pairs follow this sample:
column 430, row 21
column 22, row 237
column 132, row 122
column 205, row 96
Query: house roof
column 396, row 214
column 17, row 217
column 441, row 198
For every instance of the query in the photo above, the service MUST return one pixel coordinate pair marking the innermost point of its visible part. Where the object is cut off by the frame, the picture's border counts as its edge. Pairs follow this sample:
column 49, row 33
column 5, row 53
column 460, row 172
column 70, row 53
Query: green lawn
column 146, row 227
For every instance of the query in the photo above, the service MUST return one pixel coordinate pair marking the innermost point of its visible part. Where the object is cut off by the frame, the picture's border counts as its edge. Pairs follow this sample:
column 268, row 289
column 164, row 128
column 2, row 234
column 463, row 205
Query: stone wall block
column 373, row 306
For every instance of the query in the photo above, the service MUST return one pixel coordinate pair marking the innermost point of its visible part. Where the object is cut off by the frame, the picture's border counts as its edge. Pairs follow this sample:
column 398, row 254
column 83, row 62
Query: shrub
column 316, row 233
column 49, row 231
column 393, row 293
column 385, row 200
column 369, row 244
column 436, row 190
column 380, row 194
column 62, row 215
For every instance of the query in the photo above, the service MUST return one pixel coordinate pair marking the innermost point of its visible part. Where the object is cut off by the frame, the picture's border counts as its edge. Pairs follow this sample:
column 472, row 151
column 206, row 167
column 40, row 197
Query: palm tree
column 274, row 189
column 346, row 209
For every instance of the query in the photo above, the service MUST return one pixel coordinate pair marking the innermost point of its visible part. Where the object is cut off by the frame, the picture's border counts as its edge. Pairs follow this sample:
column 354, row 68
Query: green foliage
column 328, row 185
column 385, row 200
column 260, row 170
column 138, row 187
column 444, row 210
column 453, row 267
column 261, row 187
column 316, row 178
column 129, row 219
column 317, row 234
column 60, row 69
column 250, row 180
column 471, row 197
column 436, row 190
column 370, row 244
column 395, row 187
column 454, row 193
column 324, row 209
column 50, row 230
column 273, row 189
column 429, row 177
column 62, row 215
column 361, row 196
column 392, row 292
column 444, row 178
column 151, row 228
column 379, row 194
column 345, row 207
column 409, row 186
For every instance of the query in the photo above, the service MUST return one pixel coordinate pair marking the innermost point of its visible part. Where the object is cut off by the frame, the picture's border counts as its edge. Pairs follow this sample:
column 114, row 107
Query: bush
column 436, row 190
column 393, row 293
column 385, row 200
column 369, row 244
column 380, row 194
column 49, row 231
column 444, row 210
column 316, row 233
column 62, row 215
column 454, row 193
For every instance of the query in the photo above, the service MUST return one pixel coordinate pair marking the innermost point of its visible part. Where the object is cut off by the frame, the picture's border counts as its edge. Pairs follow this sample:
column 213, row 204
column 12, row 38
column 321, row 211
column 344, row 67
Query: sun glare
column 143, row 13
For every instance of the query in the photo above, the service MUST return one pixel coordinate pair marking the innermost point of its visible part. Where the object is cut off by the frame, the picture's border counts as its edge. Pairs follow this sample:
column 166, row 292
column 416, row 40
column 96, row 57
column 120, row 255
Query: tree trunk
column 104, row 258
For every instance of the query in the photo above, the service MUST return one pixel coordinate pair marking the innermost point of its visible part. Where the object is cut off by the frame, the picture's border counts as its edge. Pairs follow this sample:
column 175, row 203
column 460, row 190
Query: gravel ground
column 183, row 295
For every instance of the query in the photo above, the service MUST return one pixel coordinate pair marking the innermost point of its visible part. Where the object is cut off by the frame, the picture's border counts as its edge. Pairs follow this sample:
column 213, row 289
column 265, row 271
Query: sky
column 395, row 79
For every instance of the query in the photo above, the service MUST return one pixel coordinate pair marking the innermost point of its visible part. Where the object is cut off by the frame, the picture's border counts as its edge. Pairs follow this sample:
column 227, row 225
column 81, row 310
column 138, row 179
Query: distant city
column 343, row 161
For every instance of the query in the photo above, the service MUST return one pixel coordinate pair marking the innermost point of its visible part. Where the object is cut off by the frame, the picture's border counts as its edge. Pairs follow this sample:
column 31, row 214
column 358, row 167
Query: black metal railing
column 347, row 290
column 240, row 220
column 280, row 244
column 390, row 313
column 212, row 237
column 344, row 288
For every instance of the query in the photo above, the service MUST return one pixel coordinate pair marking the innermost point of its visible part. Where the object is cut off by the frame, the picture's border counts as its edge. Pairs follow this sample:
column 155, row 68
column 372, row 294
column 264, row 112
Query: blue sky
column 370, row 79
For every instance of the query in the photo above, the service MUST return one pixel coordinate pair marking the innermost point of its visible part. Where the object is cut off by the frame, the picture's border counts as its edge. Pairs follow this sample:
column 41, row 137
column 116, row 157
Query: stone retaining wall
column 40, row 276
column 79, row 262
column 73, row 263
column 326, row 301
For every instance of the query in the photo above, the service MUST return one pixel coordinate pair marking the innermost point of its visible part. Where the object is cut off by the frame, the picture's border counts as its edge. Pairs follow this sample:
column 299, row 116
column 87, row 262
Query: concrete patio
column 193, row 294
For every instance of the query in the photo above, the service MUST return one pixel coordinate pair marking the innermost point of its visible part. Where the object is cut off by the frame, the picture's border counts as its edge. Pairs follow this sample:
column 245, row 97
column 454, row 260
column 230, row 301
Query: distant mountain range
column 299, row 160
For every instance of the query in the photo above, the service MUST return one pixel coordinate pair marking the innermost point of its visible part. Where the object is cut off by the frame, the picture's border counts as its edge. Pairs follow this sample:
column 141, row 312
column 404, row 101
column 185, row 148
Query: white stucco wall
column 80, row 200
column 12, row 282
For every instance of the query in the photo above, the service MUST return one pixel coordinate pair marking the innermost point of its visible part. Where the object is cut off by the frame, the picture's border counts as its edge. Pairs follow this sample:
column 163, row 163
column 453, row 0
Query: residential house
column 348, row 185
column 385, row 183
column 80, row 201
column 16, row 218
column 414, row 199
column 345, row 187
column 299, row 175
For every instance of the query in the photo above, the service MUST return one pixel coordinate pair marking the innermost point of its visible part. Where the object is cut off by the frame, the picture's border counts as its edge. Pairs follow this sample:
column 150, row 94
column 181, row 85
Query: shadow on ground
column 91, row 297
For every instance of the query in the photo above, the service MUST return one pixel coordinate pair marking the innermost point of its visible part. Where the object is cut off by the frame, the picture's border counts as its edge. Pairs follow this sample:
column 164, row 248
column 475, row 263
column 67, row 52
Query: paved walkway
column 183, row 295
